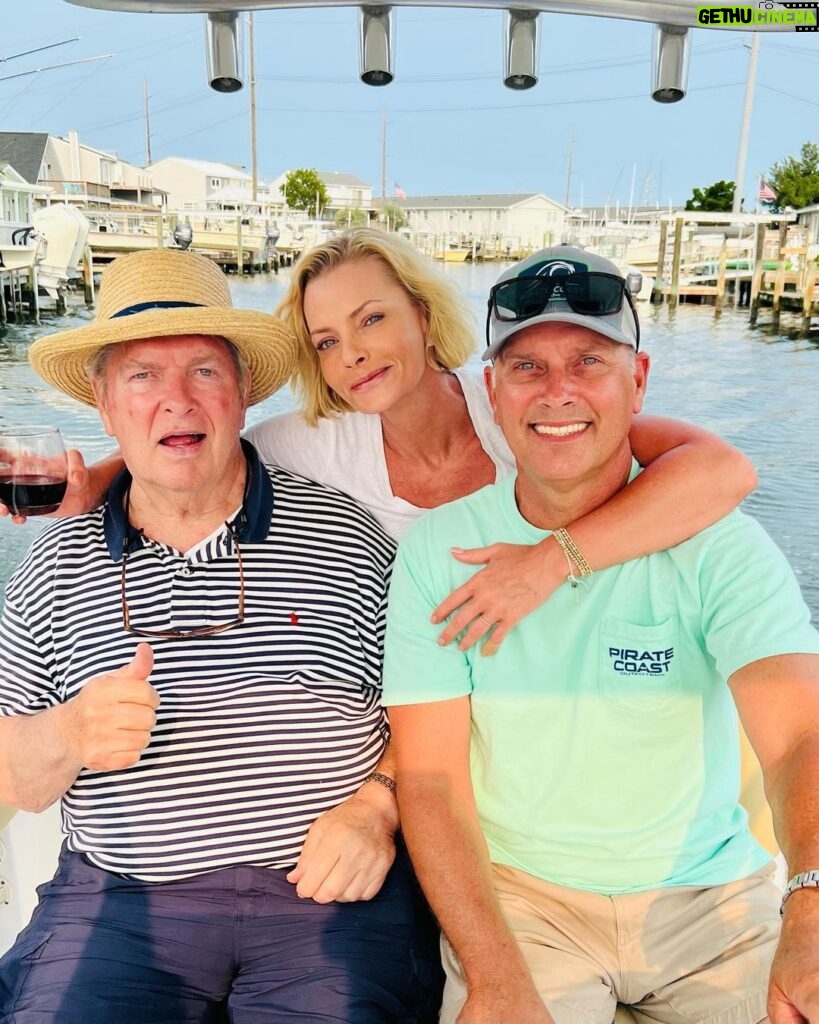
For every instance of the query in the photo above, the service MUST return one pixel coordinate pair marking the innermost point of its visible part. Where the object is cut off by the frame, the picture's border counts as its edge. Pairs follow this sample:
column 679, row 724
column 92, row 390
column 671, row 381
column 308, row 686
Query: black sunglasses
column 588, row 294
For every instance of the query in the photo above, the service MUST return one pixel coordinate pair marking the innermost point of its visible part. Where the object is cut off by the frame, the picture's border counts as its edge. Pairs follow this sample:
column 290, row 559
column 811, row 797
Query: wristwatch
column 804, row 880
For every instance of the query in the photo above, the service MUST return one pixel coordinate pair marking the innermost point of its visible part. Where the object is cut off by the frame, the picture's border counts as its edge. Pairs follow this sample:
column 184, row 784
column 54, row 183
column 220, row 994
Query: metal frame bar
column 667, row 12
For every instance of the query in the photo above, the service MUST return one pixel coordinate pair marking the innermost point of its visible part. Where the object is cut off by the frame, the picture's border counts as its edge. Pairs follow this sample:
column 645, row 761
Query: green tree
column 352, row 217
column 719, row 196
column 303, row 189
column 796, row 181
column 393, row 216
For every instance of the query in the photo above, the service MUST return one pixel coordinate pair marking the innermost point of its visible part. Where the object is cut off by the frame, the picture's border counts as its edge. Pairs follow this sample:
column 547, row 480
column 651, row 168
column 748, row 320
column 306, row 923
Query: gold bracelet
column 382, row 780
column 573, row 555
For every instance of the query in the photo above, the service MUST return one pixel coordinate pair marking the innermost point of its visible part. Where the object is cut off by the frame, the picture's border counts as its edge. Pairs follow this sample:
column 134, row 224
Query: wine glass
column 33, row 469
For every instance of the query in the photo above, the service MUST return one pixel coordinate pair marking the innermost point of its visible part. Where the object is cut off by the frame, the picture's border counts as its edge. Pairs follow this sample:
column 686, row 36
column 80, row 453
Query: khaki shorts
column 683, row 955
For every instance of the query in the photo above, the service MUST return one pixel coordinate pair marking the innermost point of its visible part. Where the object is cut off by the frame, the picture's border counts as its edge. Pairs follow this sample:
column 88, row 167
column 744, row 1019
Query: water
column 755, row 388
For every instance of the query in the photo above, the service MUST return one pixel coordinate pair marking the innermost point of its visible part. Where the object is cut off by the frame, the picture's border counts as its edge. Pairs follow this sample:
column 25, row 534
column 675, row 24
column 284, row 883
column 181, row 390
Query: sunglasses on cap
column 590, row 293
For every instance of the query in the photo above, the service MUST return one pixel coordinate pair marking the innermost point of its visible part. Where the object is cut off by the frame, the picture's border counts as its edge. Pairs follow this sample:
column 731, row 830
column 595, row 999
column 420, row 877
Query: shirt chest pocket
column 638, row 670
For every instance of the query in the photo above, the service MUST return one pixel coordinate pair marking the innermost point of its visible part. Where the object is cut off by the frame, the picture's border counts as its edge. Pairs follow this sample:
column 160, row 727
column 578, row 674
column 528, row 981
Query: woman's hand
column 80, row 494
column 516, row 579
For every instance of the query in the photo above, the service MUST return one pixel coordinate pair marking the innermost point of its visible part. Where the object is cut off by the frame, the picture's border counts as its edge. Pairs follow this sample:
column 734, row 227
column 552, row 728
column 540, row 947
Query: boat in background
column 20, row 247
column 64, row 230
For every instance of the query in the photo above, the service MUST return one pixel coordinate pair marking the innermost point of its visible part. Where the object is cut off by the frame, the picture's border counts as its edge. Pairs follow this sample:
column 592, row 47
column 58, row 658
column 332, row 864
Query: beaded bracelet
column 573, row 555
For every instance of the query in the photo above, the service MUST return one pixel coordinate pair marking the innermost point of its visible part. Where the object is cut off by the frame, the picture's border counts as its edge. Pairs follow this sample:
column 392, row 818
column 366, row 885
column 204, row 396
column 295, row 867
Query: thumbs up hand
column 109, row 722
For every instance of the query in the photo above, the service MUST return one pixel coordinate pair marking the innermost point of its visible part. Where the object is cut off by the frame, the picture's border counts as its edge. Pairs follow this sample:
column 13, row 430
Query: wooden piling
column 239, row 253
column 160, row 242
column 674, row 293
column 659, row 277
column 723, row 261
column 756, row 280
column 807, row 298
column 88, row 276
column 34, row 308
column 779, row 287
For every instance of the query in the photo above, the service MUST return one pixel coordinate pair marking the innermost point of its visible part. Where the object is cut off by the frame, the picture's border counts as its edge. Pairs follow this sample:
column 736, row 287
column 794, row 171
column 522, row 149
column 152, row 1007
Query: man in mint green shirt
column 571, row 802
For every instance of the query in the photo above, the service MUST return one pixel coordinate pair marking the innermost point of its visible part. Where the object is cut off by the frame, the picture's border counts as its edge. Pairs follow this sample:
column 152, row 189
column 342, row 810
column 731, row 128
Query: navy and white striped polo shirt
column 260, row 728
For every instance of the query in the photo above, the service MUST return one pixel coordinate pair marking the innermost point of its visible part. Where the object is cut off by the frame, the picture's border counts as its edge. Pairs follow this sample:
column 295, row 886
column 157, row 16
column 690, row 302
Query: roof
column 24, row 151
column 335, row 178
column 11, row 178
column 214, row 168
column 502, row 200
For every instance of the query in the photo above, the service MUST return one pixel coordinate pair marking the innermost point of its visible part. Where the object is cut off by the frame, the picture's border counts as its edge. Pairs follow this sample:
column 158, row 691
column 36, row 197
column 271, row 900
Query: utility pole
column 384, row 156
column 148, row 160
column 254, row 175
column 569, row 170
column 746, row 123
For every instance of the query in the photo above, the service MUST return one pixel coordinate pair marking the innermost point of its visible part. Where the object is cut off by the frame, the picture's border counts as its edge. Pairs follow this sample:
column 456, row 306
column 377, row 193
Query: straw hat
column 163, row 293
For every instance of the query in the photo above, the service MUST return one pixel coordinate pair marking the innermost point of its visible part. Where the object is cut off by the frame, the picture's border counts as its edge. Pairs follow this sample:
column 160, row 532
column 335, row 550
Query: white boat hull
column 65, row 230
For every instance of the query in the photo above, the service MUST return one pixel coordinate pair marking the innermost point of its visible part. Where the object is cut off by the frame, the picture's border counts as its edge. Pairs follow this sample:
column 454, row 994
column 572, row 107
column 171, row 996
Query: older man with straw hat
column 194, row 668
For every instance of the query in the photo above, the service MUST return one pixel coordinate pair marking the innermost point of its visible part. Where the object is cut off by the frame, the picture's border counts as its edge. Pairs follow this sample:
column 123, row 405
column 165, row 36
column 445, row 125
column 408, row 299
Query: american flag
column 766, row 193
column 399, row 192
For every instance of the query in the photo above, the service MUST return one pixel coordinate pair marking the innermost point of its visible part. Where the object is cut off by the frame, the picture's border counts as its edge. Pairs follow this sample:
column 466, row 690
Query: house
column 16, row 197
column 519, row 221
column 808, row 218
column 76, row 173
column 203, row 184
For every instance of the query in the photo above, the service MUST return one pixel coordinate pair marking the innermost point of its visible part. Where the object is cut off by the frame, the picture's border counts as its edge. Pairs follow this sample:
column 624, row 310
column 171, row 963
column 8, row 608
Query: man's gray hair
column 96, row 368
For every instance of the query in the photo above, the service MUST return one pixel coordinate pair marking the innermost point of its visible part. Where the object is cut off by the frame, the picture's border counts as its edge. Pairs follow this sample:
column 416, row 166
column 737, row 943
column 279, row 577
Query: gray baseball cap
column 558, row 261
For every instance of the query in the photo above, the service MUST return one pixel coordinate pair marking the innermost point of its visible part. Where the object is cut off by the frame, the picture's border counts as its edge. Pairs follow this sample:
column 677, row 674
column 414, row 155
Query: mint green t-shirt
column 604, row 751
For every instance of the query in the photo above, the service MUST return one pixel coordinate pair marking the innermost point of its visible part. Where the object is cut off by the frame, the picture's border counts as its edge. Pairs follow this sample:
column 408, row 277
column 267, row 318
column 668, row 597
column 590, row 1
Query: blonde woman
column 389, row 414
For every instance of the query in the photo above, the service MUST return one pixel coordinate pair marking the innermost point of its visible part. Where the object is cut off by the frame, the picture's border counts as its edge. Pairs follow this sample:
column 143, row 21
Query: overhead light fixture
column 669, row 63
column 521, row 51
column 223, row 51
column 375, row 51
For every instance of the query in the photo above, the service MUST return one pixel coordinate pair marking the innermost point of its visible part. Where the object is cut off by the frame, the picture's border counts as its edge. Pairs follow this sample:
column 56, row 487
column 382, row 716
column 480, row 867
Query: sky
column 451, row 125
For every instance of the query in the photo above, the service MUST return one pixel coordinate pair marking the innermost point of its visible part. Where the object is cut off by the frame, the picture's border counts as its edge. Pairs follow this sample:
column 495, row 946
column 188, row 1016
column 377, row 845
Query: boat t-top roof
column 664, row 12
column 673, row 20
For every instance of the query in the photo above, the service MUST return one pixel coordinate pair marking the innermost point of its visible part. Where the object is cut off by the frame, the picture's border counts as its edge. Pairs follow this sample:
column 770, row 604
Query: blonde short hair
column 450, row 338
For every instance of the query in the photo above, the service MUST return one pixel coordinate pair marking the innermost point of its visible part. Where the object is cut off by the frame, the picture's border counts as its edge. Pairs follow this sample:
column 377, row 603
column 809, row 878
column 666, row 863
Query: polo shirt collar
column 251, row 525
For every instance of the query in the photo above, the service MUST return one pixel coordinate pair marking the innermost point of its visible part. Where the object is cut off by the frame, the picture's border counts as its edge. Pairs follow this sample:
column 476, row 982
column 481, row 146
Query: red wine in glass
column 32, row 495
column 33, row 470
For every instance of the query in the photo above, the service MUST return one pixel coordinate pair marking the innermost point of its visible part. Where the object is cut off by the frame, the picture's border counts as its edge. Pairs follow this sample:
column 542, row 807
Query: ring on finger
column 486, row 622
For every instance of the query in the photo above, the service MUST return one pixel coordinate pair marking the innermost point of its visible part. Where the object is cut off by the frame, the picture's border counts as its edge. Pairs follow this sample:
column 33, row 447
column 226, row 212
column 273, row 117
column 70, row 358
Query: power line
column 507, row 108
column 790, row 95
column 555, row 69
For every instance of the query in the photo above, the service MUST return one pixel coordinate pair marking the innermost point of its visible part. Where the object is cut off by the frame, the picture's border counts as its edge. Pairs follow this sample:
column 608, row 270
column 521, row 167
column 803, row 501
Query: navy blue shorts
column 236, row 945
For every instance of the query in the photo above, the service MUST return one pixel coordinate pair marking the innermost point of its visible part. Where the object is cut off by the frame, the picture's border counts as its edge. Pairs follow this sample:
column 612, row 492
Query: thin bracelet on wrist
column 382, row 780
column 574, row 557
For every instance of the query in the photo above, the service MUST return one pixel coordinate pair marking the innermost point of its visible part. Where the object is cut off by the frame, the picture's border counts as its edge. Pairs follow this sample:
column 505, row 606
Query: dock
column 19, row 300
column 770, row 268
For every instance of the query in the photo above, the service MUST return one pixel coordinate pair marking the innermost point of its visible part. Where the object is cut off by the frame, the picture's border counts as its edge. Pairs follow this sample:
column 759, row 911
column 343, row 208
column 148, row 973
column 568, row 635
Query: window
column 215, row 182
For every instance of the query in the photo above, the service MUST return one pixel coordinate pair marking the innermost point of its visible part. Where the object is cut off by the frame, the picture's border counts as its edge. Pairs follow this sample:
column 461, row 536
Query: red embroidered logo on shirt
column 294, row 619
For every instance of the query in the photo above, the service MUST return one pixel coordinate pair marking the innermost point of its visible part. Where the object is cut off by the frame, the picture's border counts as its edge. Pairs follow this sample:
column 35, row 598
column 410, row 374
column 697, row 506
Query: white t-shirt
column 347, row 452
